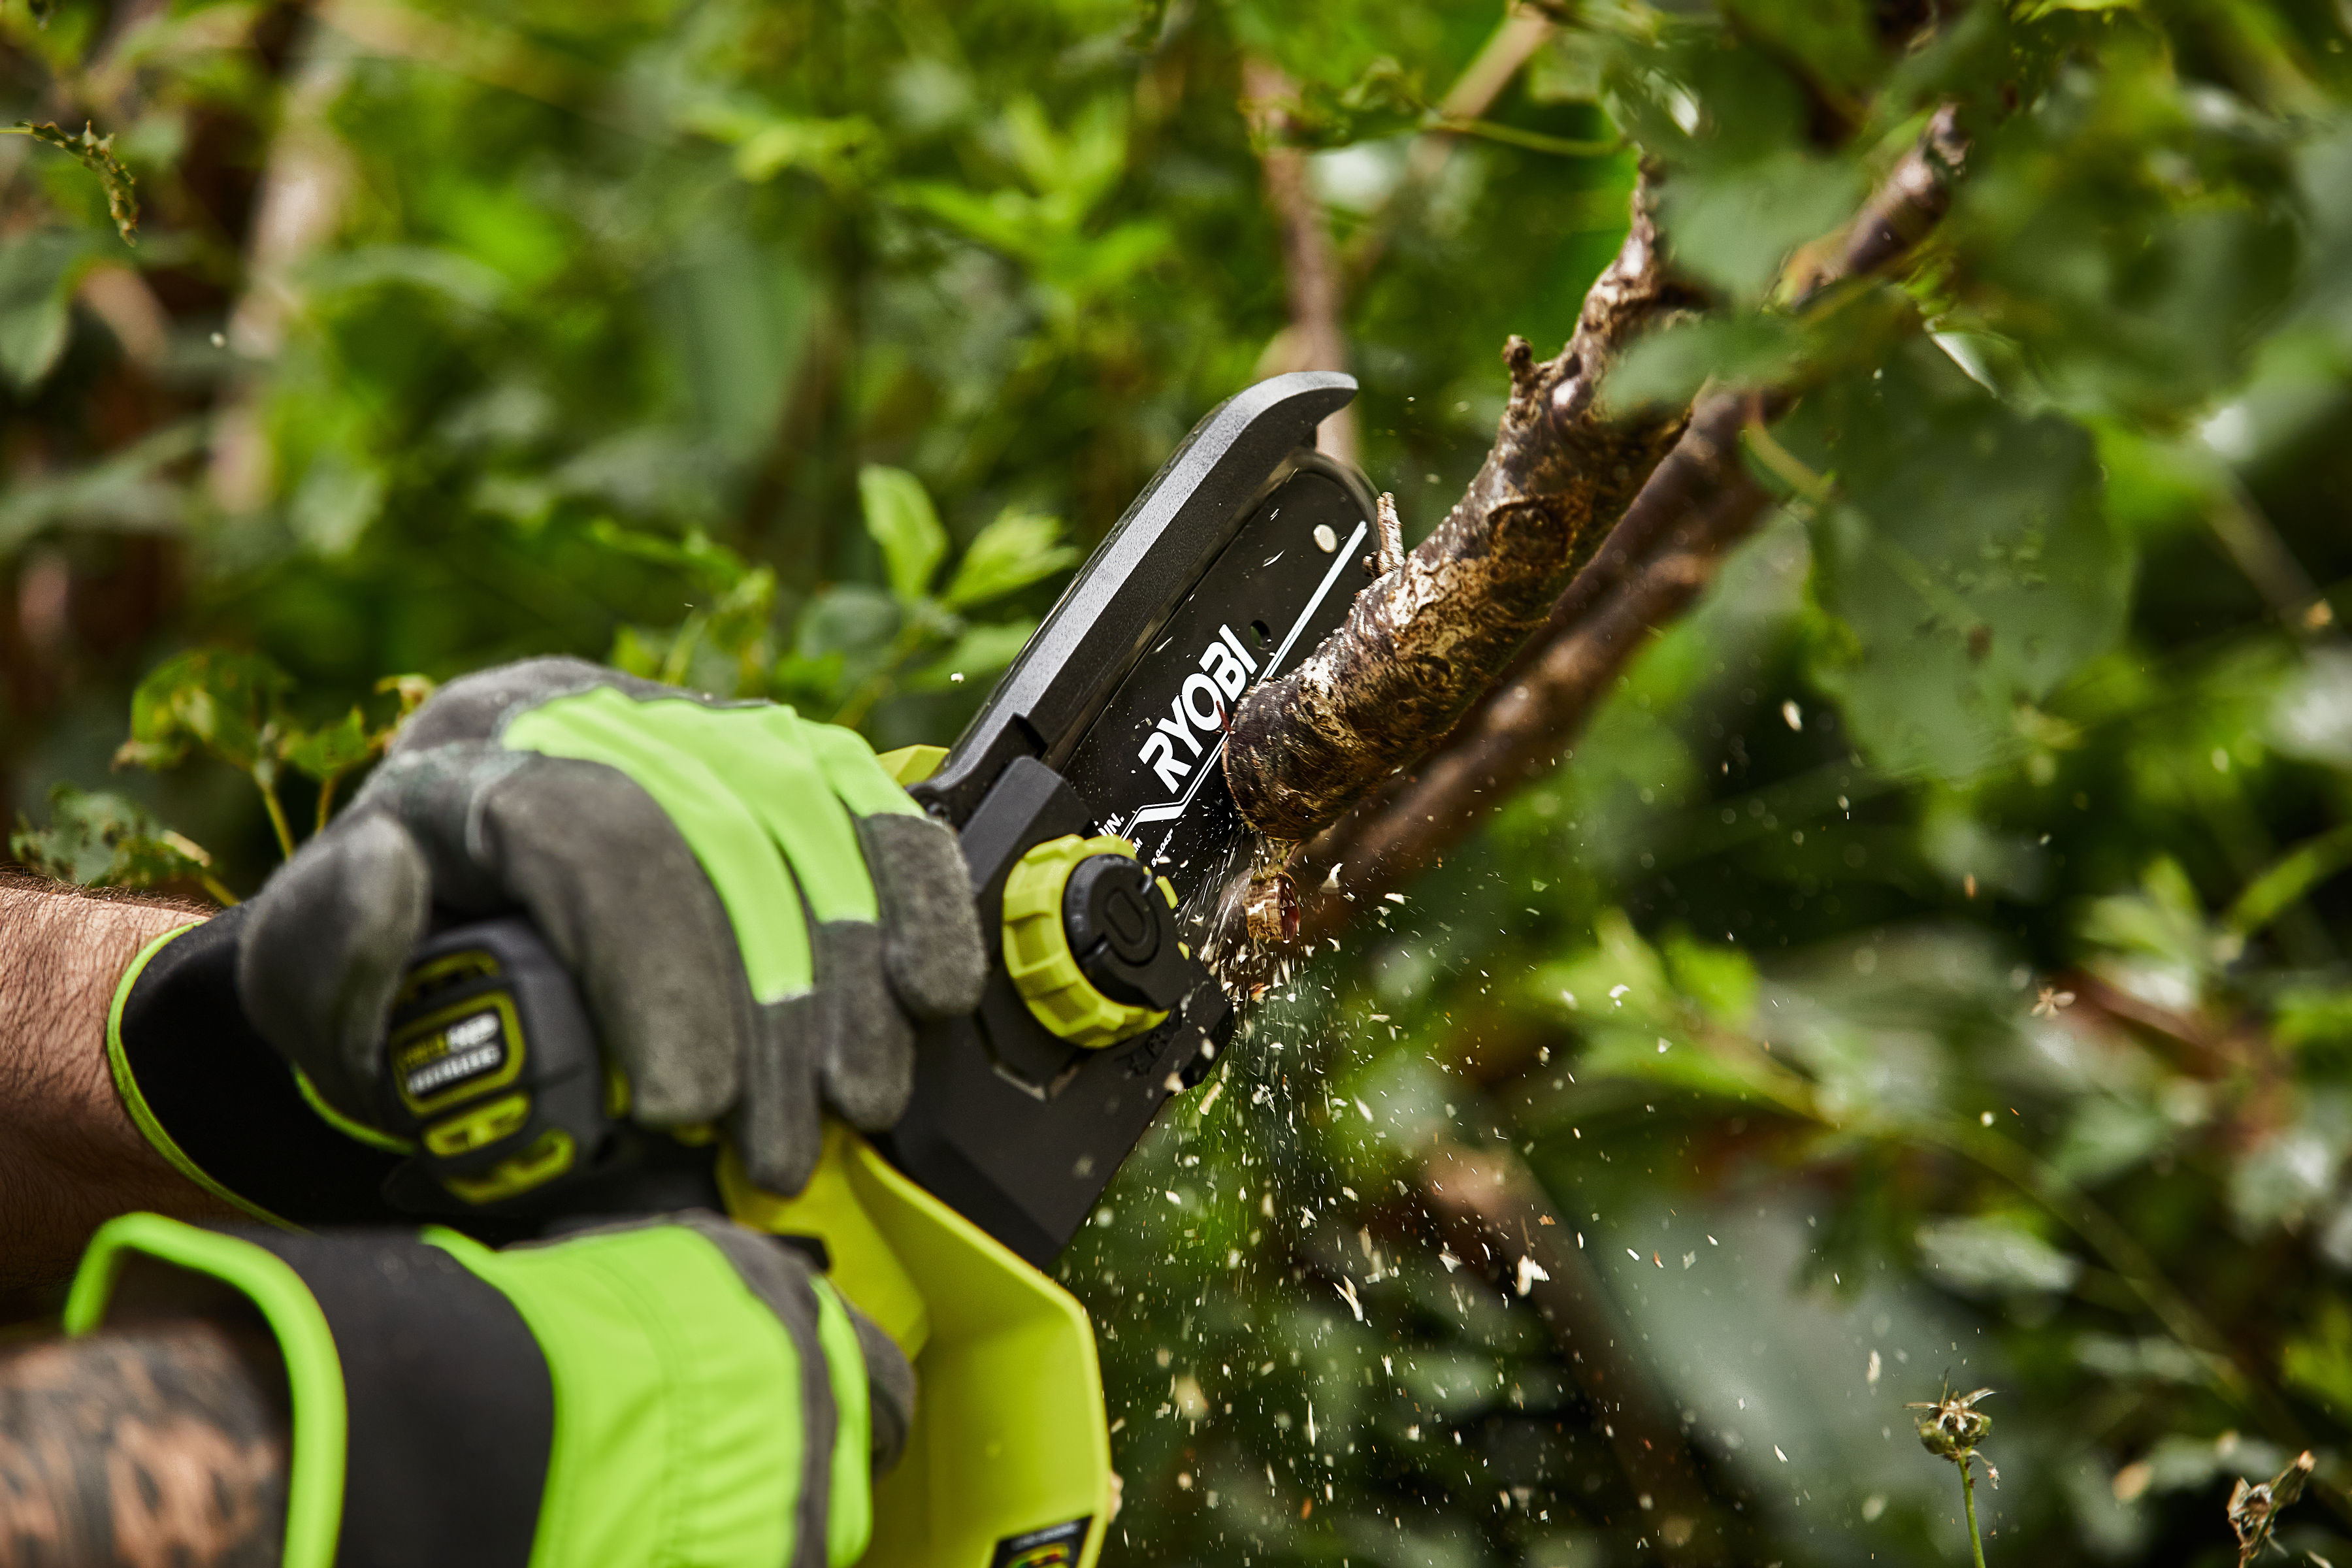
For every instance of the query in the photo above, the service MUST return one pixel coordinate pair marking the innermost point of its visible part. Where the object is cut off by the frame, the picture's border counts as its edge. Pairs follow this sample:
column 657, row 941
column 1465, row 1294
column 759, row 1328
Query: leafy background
column 1930, row 962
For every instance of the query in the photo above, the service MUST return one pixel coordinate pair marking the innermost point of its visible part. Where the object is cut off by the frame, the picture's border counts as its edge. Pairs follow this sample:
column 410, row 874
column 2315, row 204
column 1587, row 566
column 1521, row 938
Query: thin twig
column 277, row 823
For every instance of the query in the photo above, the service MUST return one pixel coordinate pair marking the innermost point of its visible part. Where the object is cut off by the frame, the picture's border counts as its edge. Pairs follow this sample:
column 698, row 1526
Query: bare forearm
column 70, row 1157
column 164, row 1442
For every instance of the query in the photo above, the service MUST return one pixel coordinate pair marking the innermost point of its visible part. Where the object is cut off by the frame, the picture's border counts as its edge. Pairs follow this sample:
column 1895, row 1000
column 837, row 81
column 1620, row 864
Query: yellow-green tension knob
column 1037, row 947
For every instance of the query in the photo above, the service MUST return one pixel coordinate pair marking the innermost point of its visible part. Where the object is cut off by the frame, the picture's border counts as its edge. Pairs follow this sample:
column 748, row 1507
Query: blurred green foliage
column 106, row 841
column 1930, row 962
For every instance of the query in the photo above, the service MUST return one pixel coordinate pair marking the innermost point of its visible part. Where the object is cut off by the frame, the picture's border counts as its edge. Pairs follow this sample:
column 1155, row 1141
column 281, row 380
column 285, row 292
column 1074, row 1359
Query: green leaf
column 331, row 749
column 2108, row 1136
column 39, row 269
column 839, row 151
column 639, row 651
column 445, row 274
column 1004, row 219
column 131, row 491
column 2160, row 932
column 978, row 651
column 1017, row 549
column 1669, row 1057
column 2319, row 1363
column 710, row 564
column 817, row 682
column 1720, row 979
column 1620, row 978
column 340, row 495
column 1968, row 559
column 1992, row 1256
column 219, row 699
column 1754, row 349
column 410, row 691
column 1734, row 224
column 1567, row 68
column 2311, row 715
column 105, row 841
column 899, row 515
column 1385, row 97
column 849, row 619
column 1834, row 39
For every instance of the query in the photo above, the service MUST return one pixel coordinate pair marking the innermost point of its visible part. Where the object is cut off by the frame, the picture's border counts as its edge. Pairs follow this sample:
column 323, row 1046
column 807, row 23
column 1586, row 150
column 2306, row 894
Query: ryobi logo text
column 1226, row 670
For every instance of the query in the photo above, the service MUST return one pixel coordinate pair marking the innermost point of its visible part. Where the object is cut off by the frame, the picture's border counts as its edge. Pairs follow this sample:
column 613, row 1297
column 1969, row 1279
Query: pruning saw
column 1089, row 800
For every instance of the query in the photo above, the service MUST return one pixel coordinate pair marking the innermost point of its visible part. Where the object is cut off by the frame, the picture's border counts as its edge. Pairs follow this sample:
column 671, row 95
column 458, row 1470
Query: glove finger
column 618, row 893
column 709, row 835
column 778, row 1126
column 475, row 707
column 323, row 950
column 866, row 1043
column 931, row 945
column 860, row 1040
column 658, row 747
column 436, row 795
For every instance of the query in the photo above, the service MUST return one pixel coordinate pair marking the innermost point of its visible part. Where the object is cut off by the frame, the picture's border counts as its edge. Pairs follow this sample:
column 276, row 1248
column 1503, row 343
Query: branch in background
column 1909, row 202
column 1522, row 32
column 1423, row 641
column 1697, row 504
column 1317, row 275
column 2253, row 544
column 303, row 188
column 1315, row 340
column 1495, row 1212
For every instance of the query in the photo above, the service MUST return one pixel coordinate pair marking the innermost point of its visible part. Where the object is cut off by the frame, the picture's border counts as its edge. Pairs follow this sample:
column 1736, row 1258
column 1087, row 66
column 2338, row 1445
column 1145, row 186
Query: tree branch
column 1422, row 642
column 1697, row 503
column 1315, row 340
column 1654, row 564
column 1495, row 1210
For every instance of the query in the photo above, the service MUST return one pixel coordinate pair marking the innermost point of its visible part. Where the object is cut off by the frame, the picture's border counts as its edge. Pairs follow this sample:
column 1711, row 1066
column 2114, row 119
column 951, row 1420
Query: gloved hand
column 680, row 1390
column 756, row 912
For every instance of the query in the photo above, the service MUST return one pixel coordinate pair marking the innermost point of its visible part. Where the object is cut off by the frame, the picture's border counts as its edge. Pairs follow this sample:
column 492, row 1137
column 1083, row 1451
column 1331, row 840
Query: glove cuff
column 207, row 1091
column 423, row 1411
column 680, row 1392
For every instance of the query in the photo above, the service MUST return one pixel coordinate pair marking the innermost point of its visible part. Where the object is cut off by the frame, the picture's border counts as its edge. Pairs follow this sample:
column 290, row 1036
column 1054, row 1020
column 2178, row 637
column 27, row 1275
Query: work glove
column 757, row 914
column 680, row 1390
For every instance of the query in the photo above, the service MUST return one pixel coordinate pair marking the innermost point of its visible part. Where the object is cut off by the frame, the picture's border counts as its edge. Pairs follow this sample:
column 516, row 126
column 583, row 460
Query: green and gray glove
column 682, row 1390
column 757, row 914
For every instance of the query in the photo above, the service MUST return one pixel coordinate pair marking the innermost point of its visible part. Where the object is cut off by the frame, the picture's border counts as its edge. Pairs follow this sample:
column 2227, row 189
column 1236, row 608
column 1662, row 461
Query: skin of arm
column 70, row 1156
column 162, row 1440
